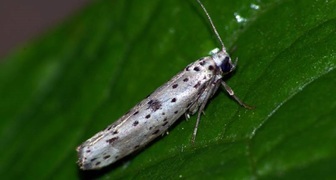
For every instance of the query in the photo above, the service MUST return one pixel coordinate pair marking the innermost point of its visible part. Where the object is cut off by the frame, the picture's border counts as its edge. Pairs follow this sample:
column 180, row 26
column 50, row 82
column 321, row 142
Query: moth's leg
column 210, row 92
column 187, row 116
column 199, row 113
column 231, row 93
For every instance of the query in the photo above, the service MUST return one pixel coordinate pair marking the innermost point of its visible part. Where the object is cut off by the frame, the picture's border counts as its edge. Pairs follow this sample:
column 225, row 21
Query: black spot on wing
column 154, row 104
column 110, row 141
column 107, row 156
column 197, row 84
column 196, row 68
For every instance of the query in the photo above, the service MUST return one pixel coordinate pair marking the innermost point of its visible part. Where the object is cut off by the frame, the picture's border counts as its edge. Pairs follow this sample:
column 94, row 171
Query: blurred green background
column 62, row 88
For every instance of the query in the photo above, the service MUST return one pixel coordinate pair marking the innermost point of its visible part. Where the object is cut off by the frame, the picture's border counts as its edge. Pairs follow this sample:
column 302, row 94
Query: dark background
column 22, row 20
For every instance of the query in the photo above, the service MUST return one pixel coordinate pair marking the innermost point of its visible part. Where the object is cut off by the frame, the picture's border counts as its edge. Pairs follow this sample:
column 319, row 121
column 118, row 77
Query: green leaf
column 78, row 78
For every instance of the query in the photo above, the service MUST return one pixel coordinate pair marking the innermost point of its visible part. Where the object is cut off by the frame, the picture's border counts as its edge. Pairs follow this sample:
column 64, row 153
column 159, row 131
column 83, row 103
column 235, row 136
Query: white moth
column 186, row 93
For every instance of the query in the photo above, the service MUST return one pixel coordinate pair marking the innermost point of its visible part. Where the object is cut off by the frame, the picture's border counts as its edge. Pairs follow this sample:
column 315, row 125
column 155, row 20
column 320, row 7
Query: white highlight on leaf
column 239, row 18
column 254, row 6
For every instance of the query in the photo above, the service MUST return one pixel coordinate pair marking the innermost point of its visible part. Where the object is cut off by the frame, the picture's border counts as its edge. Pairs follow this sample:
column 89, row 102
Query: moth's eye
column 226, row 66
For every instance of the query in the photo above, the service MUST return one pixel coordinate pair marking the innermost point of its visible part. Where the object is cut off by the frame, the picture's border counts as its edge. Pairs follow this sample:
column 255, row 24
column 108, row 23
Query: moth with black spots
column 185, row 94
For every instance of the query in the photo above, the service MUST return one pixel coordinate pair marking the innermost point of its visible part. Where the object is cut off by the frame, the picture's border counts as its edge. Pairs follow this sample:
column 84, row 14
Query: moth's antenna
column 212, row 24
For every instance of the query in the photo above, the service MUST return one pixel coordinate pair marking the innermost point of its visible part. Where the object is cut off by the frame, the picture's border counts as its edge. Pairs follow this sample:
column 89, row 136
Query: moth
column 186, row 93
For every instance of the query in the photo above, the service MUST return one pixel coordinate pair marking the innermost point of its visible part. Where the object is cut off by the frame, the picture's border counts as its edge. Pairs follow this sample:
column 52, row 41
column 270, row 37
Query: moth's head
column 223, row 60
